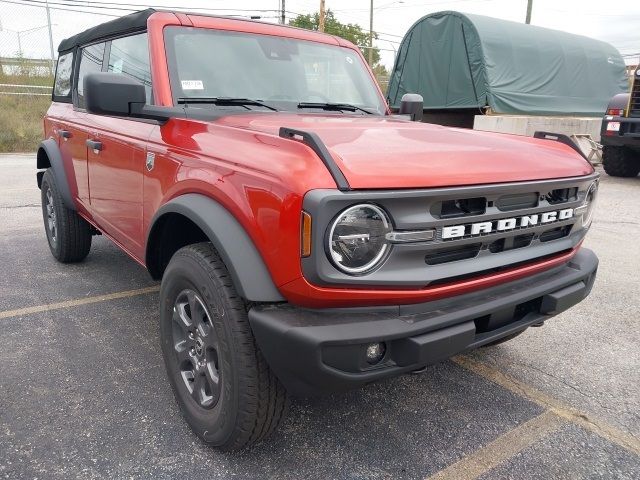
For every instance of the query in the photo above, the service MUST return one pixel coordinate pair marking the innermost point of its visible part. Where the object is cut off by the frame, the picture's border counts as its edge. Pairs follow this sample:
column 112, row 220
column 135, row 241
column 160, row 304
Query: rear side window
column 90, row 62
column 130, row 56
column 62, row 84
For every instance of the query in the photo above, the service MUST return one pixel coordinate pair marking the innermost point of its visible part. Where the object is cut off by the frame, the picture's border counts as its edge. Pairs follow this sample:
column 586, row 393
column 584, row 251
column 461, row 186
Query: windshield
column 281, row 72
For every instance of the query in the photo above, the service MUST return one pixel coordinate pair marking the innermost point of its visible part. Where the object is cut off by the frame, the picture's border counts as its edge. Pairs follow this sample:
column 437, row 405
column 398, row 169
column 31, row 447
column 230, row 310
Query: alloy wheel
column 52, row 223
column 196, row 346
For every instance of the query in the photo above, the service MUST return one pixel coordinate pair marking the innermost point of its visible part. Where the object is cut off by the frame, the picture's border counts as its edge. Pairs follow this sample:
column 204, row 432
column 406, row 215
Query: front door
column 116, row 151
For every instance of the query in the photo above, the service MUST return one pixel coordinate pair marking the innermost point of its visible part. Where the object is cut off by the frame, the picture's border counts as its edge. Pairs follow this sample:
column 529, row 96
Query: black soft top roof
column 131, row 23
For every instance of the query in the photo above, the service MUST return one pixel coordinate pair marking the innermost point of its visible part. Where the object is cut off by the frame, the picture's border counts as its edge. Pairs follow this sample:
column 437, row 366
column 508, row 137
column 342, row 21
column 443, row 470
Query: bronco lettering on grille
column 457, row 231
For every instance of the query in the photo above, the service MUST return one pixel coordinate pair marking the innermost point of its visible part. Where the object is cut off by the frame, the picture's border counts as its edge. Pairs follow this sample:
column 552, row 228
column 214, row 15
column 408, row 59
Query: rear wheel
column 68, row 234
column 620, row 161
column 221, row 381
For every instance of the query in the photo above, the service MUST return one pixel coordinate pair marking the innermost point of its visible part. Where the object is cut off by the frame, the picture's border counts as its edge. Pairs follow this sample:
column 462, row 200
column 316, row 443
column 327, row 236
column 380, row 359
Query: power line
column 168, row 7
column 61, row 9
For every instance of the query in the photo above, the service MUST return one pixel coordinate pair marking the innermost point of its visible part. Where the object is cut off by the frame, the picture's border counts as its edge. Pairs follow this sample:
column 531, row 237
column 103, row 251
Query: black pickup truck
column 620, row 135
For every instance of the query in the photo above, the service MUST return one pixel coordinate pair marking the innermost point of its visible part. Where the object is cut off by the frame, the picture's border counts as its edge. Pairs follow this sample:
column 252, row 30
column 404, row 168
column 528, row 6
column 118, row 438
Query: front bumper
column 315, row 351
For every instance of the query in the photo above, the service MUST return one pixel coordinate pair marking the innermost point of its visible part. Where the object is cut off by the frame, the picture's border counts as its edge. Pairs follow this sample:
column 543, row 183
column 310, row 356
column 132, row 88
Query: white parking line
column 81, row 301
column 501, row 449
column 556, row 406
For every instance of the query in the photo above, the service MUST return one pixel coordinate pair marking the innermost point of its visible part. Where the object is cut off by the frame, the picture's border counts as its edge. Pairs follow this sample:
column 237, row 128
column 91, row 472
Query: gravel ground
column 83, row 390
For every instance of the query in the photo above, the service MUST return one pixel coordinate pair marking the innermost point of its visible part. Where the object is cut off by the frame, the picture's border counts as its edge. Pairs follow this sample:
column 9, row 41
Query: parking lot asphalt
column 83, row 392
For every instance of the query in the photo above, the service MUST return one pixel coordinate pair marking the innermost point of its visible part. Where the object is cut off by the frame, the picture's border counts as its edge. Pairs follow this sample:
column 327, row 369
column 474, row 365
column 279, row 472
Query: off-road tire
column 504, row 339
column 251, row 401
column 68, row 234
column 620, row 161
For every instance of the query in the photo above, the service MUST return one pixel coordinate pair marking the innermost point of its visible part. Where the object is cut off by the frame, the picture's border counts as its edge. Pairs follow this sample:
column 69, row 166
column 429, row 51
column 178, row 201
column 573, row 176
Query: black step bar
column 562, row 138
column 313, row 141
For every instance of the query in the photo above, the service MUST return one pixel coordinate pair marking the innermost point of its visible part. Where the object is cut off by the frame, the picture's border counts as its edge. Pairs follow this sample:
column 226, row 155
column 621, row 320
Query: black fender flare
column 248, row 271
column 50, row 148
column 620, row 100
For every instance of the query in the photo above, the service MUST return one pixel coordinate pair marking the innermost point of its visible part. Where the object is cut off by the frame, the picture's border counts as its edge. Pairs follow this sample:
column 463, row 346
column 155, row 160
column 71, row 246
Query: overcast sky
column 615, row 22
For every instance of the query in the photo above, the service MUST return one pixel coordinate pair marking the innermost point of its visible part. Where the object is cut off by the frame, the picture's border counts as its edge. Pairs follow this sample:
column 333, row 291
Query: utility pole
column 529, row 7
column 283, row 19
column 321, row 17
column 371, row 35
column 53, row 55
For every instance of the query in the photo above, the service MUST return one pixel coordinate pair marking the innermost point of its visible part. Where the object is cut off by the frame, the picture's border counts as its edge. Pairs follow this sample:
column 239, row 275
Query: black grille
column 562, row 195
column 511, row 243
column 459, row 208
column 447, row 255
column 508, row 203
column 634, row 104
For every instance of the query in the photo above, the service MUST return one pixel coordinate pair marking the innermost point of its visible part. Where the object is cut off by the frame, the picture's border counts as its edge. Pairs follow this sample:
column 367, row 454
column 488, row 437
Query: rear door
column 89, row 60
column 68, row 135
column 117, row 151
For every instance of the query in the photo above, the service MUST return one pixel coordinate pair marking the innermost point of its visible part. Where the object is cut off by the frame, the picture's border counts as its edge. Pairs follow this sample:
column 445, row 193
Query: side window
column 90, row 62
column 130, row 56
column 62, row 83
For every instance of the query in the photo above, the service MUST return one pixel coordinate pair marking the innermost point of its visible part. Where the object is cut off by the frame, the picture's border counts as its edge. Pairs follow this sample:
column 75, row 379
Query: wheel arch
column 199, row 218
column 49, row 156
column 621, row 100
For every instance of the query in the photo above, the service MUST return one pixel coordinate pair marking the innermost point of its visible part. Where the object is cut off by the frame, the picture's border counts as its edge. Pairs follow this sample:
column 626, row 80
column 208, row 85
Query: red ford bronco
column 307, row 240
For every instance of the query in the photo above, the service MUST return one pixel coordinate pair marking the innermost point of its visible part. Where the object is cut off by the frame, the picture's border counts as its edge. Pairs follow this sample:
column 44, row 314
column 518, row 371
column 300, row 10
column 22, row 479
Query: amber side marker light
column 305, row 244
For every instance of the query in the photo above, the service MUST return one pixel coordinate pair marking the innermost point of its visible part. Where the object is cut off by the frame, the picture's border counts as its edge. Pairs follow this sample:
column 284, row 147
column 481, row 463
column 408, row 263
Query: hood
column 383, row 152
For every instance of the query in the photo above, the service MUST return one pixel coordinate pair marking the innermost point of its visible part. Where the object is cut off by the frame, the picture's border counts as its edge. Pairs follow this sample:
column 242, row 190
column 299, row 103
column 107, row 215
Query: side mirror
column 412, row 104
column 119, row 96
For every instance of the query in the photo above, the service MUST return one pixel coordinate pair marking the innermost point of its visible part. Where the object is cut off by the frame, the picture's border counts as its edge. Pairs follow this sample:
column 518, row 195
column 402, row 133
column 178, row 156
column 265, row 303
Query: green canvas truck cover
column 461, row 61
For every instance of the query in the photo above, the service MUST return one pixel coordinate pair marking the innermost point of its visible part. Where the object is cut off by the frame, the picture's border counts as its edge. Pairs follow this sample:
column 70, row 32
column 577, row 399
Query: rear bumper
column 315, row 351
column 629, row 134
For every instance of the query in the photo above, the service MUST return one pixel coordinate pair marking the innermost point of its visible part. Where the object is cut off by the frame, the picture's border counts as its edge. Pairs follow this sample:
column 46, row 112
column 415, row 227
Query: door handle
column 94, row 145
column 64, row 133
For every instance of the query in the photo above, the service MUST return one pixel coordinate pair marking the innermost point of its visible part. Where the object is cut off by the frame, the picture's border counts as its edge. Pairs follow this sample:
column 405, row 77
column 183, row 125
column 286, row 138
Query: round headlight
column 589, row 202
column 357, row 240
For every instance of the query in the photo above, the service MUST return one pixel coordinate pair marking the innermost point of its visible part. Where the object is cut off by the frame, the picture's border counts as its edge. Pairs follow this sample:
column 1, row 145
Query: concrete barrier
column 527, row 125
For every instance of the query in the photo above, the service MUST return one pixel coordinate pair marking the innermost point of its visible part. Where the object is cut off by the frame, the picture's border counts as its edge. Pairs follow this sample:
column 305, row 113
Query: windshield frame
column 368, row 78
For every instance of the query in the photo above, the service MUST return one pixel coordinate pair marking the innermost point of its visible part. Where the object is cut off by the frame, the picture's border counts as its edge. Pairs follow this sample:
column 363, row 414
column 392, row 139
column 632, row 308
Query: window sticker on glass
column 192, row 85
column 349, row 60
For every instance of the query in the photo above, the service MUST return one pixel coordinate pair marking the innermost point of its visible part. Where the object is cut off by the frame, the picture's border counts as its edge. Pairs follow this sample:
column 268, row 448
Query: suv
column 620, row 133
column 307, row 240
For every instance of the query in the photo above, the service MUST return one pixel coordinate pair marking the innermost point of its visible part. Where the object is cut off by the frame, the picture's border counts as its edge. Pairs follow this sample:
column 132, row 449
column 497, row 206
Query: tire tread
column 263, row 400
column 74, row 232
column 619, row 162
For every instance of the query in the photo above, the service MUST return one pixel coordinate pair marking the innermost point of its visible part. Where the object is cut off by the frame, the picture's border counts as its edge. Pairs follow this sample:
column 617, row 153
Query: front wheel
column 221, row 381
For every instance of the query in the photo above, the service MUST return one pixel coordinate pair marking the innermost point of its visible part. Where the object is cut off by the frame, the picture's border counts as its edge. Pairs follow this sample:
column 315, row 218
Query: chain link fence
column 26, row 76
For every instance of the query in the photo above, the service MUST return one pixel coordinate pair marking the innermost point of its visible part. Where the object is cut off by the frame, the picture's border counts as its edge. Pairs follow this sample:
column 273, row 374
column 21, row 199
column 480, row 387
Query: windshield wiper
column 334, row 106
column 222, row 101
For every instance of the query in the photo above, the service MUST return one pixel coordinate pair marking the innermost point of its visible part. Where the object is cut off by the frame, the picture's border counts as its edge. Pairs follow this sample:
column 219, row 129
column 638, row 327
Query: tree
column 348, row 31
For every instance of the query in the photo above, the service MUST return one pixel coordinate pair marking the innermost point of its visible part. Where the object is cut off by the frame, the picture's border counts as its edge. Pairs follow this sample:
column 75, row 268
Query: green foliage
column 332, row 26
